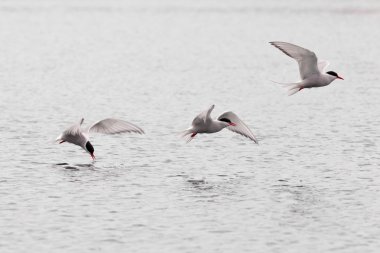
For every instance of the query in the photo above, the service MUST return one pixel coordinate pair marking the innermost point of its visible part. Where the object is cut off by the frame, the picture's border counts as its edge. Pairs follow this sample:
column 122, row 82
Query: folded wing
column 307, row 60
column 114, row 126
column 240, row 127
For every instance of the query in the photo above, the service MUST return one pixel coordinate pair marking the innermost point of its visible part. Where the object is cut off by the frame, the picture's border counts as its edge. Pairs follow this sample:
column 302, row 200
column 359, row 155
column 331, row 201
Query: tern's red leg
column 61, row 142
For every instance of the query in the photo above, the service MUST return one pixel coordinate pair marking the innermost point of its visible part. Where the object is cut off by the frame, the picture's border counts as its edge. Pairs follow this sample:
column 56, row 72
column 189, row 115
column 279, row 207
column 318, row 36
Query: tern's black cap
column 332, row 73
column 225, row 120
column 89, row 147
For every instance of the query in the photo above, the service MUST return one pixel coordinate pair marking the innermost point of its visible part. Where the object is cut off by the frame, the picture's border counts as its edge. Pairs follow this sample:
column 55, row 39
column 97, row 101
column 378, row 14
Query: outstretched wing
column 240, row 127
column 114, row 126
column 203, row 116
column 307, row 60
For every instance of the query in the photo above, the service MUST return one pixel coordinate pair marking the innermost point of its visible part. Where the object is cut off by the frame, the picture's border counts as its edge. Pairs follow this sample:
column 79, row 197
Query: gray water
column 312, row 185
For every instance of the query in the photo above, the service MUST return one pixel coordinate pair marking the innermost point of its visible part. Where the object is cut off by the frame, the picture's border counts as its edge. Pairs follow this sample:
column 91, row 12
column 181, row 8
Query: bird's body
column 78, row 136
column 74, row 135
column 203, row 123
column 317, row 81
column 209, row 127
column 312, row 71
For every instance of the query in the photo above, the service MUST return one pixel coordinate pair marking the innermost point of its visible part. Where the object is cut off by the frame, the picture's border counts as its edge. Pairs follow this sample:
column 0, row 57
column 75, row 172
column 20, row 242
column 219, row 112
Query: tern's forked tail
column 293, row 87
column 188, row 134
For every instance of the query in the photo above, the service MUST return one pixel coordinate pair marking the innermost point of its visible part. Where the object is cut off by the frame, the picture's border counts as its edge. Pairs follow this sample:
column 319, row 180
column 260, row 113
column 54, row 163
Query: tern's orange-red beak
column 339, row 77
column 232, row 124
column 92, row 156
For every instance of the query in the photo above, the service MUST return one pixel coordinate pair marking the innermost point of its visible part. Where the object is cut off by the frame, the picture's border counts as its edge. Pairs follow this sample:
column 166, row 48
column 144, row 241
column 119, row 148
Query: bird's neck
column 329, row 78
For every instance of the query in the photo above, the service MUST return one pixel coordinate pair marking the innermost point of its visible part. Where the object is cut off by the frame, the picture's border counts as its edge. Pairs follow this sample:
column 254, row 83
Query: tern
column 78, row 136
column 203, row 123
column 311, row 70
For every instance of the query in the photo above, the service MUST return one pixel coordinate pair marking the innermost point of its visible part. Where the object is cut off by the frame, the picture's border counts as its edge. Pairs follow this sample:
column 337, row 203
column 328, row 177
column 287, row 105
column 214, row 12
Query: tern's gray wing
column 114, row 126
column 203, row 117
column 307, row 60
column 240, row 127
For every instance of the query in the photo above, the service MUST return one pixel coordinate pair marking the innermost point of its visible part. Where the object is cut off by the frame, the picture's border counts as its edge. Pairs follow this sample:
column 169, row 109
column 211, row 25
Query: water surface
column 312, row 185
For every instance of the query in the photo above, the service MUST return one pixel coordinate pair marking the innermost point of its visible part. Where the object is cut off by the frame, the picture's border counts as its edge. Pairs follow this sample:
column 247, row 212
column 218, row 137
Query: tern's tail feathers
column 59, row 138
column 188, row 134
column 283, row 84
column 184, row 133
column 294, row 88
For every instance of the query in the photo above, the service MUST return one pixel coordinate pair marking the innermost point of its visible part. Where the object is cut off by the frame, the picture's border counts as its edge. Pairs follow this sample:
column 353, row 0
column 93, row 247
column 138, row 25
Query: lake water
column 312, row 185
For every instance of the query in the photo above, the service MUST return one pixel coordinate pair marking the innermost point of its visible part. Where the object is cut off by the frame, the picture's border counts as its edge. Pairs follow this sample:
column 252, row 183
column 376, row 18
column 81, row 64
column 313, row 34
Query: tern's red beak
column 92, row 156
column 232, row 124
column 340, row 77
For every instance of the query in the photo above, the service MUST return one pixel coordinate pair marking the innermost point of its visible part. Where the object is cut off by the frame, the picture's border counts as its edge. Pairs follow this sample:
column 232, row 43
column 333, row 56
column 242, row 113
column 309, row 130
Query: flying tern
column 203, row 123
column 311, row 70
column 80, row 136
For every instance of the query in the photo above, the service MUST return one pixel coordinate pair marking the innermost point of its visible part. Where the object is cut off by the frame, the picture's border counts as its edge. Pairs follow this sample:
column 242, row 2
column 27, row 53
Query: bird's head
column 90, row 149
column 228, row 122
column 334, row 74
